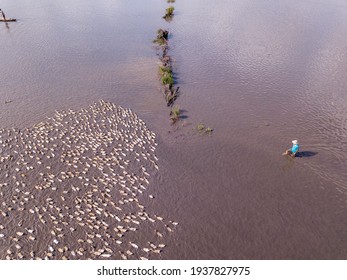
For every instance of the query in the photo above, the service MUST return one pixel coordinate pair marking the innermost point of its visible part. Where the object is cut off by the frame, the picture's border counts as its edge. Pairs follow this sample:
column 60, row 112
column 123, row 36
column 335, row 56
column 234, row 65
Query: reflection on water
column 260, row 73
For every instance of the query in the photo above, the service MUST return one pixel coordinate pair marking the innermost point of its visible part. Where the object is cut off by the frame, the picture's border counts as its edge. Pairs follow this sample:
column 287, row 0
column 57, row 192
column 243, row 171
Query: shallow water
column 260, row 73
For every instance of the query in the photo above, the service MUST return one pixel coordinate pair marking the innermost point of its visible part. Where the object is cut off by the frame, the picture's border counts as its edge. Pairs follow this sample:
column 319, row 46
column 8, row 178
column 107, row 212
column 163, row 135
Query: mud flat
column 75, row 187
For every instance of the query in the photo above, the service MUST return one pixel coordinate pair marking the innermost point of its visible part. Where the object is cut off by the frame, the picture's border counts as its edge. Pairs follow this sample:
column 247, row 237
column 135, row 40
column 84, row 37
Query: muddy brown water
column 260, row 73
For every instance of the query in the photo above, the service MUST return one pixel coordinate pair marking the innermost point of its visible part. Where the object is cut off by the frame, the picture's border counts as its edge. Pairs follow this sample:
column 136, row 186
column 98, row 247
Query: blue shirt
column 295, row 148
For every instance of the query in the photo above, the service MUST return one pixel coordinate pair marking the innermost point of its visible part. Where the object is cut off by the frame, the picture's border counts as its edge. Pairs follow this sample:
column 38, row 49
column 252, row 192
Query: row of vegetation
column 166, row 73
column 165, row 67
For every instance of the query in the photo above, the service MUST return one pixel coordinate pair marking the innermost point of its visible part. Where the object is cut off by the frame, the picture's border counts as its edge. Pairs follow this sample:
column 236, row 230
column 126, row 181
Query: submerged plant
column 200, row 127
column 175, row 113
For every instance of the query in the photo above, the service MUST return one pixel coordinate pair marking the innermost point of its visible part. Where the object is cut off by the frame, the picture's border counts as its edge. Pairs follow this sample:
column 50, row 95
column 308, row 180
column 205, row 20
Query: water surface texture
column 260, row 73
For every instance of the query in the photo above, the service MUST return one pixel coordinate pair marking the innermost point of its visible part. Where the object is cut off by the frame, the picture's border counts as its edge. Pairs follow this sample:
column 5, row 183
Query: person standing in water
column 295, row 148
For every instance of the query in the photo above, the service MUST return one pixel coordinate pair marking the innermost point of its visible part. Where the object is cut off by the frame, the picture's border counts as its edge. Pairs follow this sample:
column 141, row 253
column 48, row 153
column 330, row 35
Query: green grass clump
column 209, row 130
column 164, row 70
column 169, row 12
column 167, row 79
column 175, row 113
column 171, row 1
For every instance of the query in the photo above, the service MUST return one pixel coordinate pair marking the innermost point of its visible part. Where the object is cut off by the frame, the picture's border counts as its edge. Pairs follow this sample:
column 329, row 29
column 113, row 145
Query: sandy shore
column 75, row 187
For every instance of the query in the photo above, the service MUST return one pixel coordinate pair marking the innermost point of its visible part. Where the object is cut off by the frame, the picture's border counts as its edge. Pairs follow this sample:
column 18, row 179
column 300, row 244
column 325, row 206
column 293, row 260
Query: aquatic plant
column 162, row 36
column 167, row 79
column 175, row 113
column 171, row 1
column 200, row 127
column 165, row 59
column 159, row 41
column 164, row 70
column 169, row 12
column 171, row 95
column 162, row 33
